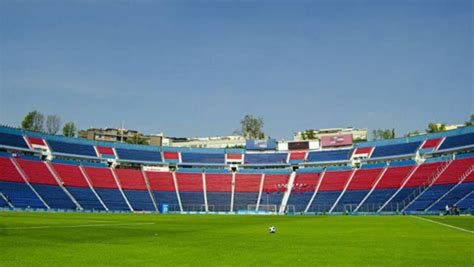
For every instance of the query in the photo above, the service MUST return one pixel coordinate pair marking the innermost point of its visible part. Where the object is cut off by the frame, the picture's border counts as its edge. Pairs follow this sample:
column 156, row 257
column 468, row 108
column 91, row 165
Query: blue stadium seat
column 458, row 141
column 3, row 203
column 85, row 197
column 139, row 155
column 113, row 199
column 266, row 158
column 140, row 200
column 242, row 200
column 273, row 198
column 376, row 199
column 20, row 195
column 467, row 203
column 395, row 203
column 71, row 148
column 324, row 201
column 331, row 155
column 454, row 196
column 202, row 158
column 428, row 197
column 13, row 140
column 395, row 150
column 54, row 196
column 218, row 201
column 350, row 200
column 167, row 197
column 192, row 201
column 300, row 200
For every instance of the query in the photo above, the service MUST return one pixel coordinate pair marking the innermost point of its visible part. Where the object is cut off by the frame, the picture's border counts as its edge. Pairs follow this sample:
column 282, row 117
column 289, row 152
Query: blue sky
column 196, row 68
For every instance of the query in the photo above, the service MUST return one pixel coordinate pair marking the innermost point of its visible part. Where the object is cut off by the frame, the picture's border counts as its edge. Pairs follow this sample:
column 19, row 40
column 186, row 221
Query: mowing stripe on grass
column 443, row 224
column 74, row 226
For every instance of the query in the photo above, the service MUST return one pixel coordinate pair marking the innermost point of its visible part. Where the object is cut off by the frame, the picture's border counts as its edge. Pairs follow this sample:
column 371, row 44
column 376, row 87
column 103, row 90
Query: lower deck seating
column 323, row 201
column 454, row 196
column 139, row 199
column 112, row 198
column 218, row 201
column 242, row 200
column 299, row 200
column 467, row 203
column 85, row 197
column 350, row 200
column 54, row 196
column 428, row 197
column 3, row 203
column 396, row 203
column 20, row 195
column 192, row 201
column 273, row 198
column 376, row 199
column 167, row 197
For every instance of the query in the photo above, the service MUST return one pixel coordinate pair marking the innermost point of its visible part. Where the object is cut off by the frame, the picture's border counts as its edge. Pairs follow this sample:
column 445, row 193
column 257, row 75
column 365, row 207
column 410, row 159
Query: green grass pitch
column 65, row 239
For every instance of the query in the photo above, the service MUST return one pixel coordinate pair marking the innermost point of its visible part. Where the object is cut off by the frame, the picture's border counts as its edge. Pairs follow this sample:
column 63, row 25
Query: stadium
column 236, row 133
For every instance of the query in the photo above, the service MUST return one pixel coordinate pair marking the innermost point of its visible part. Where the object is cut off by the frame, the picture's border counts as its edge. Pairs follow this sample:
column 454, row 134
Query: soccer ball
column 272, row 229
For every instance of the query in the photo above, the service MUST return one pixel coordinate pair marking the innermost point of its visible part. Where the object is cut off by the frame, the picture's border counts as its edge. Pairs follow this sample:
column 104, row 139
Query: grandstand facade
column 420, row 174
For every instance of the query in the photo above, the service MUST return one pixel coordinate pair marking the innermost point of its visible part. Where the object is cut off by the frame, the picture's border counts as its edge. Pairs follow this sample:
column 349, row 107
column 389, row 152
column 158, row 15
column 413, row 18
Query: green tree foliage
column 380, row 134
column 308, row 135
column 471, row 121
column 435, row 127
column 69, row 129
column 252, row 127
column 53, row 122
column 136, row 139
column 33, row 121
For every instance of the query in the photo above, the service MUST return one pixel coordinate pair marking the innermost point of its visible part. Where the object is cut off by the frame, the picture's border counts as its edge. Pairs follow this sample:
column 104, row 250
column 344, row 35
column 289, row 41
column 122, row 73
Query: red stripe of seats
column 131, row 179
column 334, row 180
column 363, row 150
column 8, row 172
column 218, row 182
column 431, row 143
column 394, row 177
column 306, row 182
column 297, row 155
column 247, row 182
column 71, row 175
column 234, row 156
column 275, row 182
column 36, row 141
column 454, row 171
column 189, row 182
column 103, row 150
column 364, row 179
column 101, row 177
column 160, row 181
column 37, row 172
column 423, row 174
column 171, row 155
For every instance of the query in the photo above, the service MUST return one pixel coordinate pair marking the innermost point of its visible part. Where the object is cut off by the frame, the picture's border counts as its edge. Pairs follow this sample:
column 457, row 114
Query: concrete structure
column 357, row 133
column 119, row 135
column 206, row 142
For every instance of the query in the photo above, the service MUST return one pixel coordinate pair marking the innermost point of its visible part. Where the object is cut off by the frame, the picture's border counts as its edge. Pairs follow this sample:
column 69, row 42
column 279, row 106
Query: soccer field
column 53, row 239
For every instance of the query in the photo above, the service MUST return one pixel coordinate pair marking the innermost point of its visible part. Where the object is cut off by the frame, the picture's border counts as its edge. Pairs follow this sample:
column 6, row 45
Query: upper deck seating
column 138, row 155
column 211, row 158
column 457, row 141
column 13, row 140
column 265, row 158
column 395, row 150
column 72, row 148
column 330, row 155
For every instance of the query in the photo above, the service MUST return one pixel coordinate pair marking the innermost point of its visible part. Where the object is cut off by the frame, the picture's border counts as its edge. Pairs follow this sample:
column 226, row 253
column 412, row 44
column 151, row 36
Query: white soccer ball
column 272, row 229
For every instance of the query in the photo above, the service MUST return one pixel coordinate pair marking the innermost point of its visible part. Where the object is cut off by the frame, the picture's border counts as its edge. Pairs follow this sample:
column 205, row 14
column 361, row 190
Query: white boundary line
column 447, row 225
column 74, row 226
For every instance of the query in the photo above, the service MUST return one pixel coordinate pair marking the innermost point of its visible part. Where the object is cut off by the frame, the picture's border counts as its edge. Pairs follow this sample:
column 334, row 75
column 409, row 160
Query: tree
column 136, row 139
column 435, row 127
column 33, row 121
column 53, row 122
column 383, row 134
column 471, row 121
column 308, row 135
column 252, row 127
column 69, row 129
